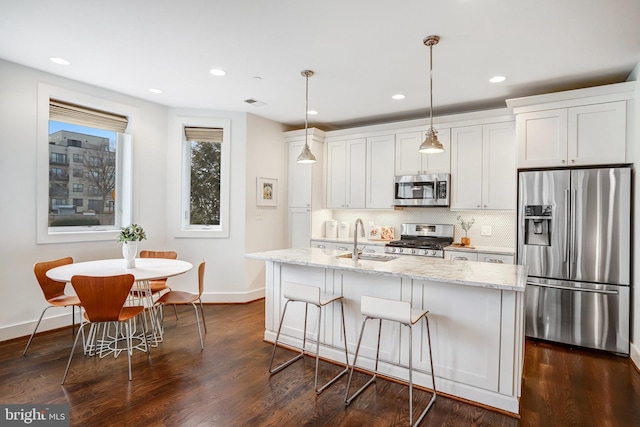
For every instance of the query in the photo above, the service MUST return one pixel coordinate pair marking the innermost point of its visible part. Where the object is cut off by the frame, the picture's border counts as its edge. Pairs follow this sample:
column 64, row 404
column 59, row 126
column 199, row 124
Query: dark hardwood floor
column 227, row 384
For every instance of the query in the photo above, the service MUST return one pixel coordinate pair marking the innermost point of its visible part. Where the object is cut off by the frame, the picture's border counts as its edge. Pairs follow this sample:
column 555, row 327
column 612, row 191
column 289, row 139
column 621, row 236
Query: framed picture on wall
column 267, row 192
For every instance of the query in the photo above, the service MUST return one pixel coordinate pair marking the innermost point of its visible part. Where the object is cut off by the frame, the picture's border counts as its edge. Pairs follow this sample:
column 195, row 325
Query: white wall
column 265, row 225
column 156, row 173
column 21, row 299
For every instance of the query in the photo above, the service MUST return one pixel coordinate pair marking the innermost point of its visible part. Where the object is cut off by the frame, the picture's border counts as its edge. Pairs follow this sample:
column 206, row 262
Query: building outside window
column 78, row 188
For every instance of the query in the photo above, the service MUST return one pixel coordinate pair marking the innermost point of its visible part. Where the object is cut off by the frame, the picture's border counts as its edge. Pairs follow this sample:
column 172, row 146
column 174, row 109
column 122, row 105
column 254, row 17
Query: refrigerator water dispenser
column 537, row 225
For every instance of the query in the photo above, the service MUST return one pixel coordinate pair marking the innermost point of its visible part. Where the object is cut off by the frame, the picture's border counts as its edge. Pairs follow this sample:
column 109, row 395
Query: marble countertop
column 362, row 241
column 488, row 275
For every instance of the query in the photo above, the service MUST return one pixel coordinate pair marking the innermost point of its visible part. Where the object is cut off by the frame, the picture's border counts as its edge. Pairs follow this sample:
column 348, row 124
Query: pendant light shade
column 431, row 145
column 306, row 156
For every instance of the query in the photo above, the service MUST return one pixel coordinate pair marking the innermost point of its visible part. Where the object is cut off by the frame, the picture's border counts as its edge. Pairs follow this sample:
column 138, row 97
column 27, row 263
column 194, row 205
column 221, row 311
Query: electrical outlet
column 486, row 230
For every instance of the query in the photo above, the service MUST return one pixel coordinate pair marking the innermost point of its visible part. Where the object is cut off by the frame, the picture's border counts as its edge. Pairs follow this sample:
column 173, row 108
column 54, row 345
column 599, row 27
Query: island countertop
column 488, row 275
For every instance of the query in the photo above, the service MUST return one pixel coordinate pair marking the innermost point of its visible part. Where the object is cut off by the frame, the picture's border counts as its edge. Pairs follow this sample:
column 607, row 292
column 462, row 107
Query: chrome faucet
column 356, row 252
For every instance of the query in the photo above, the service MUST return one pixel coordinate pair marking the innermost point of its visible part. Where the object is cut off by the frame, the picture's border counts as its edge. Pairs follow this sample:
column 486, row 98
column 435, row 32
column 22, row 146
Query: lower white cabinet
column 479, row 256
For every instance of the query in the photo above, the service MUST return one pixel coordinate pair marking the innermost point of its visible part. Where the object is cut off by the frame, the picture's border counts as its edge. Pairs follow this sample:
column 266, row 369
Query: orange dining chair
column 158, row 285
column 183, row 298
column 103, row 300
column 53, row 292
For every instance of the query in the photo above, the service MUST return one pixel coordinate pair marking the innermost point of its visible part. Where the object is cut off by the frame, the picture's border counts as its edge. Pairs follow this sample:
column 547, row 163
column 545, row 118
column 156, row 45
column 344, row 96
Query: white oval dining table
column 145, row 269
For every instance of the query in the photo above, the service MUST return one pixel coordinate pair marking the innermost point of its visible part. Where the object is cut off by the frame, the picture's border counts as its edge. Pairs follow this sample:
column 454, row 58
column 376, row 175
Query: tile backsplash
column 502, row 223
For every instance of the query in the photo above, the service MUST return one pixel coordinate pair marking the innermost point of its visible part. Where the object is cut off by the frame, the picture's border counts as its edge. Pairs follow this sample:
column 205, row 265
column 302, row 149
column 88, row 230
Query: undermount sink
column 370, row 257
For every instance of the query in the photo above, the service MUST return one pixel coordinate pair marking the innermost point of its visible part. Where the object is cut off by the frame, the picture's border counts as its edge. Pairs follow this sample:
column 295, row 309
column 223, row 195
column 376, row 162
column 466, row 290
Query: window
column 58, row 159
column 90, row 131
column 205, row 155
column 204, row 180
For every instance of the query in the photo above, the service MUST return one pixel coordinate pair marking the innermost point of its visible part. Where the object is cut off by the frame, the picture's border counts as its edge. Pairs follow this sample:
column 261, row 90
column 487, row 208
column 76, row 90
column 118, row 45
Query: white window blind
column 61, row 111
column 201, row 134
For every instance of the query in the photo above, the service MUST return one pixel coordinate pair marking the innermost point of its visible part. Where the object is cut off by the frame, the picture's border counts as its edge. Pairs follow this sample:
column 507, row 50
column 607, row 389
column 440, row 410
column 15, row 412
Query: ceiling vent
column 254, row 102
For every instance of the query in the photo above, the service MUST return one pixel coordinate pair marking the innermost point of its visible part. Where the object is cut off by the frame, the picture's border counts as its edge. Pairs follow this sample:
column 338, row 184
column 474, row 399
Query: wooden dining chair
column 53, row 292
column 103, row 300
column 158, row 285
column 183, row 298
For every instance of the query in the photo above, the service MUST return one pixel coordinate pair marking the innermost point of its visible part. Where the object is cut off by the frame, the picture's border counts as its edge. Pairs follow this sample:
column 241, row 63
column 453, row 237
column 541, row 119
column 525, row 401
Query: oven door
column 422, row 190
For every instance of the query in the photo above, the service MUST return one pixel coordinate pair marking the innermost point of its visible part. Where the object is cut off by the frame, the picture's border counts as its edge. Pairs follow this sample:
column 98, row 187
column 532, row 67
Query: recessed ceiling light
column 59, row 61
column 497, row 79
column 217, row 72
column 312, row 112
column 398, row 96
column 154, row 90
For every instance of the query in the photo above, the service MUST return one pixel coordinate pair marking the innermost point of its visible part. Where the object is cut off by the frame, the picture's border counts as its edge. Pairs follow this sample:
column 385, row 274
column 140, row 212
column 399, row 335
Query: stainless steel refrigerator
column 574, row 231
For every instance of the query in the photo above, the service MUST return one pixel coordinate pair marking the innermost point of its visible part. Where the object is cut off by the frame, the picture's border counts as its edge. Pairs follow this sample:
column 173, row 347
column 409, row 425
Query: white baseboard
column 635, row 355
column 59, row 320
column 233, row 297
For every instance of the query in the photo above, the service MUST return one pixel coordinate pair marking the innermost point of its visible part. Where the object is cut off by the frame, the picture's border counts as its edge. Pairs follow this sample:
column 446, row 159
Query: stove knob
column 432, row 252
column 413, row 251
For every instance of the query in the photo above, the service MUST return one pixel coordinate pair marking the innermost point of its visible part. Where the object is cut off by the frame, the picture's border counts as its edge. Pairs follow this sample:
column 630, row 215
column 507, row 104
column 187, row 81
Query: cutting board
column 458, row 245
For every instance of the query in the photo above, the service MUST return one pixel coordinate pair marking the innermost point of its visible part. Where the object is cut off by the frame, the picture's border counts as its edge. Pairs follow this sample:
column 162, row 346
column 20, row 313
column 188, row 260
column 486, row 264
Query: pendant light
column 306, row 156
column 431, row 145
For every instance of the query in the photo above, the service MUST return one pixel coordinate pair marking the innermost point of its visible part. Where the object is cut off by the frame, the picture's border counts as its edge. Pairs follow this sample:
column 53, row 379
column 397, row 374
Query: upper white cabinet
column 410, row 162
column 380, row 172
column 305, row 181
column 299, row 178
column 573, row 128
column 346, row 173
column 483, row 172
column 573, row 136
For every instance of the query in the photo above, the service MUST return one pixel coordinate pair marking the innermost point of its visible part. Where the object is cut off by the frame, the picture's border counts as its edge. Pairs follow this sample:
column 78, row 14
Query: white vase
column 129, row 251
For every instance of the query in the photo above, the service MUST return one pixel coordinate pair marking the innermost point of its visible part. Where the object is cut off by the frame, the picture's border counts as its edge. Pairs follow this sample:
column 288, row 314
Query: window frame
column 181, row 227
column 124, row 162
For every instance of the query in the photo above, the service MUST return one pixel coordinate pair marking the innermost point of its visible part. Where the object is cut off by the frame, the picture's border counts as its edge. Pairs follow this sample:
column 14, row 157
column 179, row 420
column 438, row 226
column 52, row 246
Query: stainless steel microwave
column 422, row 190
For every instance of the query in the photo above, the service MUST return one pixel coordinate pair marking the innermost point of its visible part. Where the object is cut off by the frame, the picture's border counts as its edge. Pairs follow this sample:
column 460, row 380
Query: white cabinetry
column 483, row 172
column 573, row 136
column 346, row 173
column 410, row 162
column 573, row 128
column 479, row 256
column 380, row 172
column 304, row 189
column 299, row 178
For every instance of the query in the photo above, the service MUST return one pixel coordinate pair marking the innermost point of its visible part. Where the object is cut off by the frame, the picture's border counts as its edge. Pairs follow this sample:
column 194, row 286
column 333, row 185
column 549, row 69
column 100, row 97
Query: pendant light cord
column 431, row 85
column 306, row 112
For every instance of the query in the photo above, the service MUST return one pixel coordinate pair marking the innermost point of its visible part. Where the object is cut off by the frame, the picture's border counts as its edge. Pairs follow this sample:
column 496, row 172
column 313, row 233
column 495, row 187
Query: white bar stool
column 395, row 311
column 295, row 292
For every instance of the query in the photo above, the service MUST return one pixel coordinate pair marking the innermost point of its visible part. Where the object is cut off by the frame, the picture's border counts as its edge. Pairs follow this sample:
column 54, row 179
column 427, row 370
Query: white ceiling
column 362, row 51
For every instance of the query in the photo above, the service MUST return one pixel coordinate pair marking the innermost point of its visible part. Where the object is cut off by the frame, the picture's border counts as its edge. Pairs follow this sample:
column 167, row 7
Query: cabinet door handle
column 321, row 247
column 573, row 160
column 460, row 258
column 563, row 161
column 342, row 248
column 494, row 260
column 369, row 251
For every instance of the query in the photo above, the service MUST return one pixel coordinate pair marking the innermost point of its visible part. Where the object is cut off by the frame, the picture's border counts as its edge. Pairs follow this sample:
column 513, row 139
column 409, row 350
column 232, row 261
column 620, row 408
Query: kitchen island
column 476, row 314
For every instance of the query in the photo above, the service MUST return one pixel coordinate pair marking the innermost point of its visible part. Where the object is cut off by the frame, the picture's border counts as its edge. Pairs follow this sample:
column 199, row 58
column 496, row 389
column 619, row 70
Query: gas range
column 422, row 240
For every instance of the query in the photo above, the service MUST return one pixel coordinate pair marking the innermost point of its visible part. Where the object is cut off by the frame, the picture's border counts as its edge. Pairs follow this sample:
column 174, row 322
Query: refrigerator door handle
column 566, row 288
column 574, row 198
column 565, row 240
